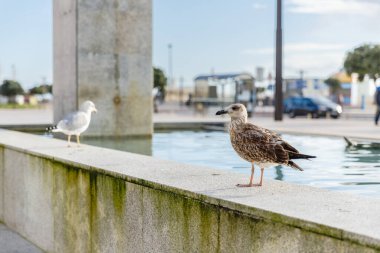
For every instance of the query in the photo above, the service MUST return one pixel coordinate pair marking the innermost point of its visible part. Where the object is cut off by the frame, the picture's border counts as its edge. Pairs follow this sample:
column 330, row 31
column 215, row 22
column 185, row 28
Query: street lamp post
column 278, row 94
column 180, row 97
column 301, row 86
column 170, row 65
column 237, row 83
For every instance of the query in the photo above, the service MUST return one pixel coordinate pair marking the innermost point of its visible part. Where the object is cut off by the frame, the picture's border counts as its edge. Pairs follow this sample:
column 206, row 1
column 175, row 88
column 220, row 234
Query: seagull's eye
column 235, row 108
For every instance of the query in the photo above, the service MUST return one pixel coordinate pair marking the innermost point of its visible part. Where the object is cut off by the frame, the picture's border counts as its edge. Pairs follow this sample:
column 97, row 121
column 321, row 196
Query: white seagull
column 76, row 122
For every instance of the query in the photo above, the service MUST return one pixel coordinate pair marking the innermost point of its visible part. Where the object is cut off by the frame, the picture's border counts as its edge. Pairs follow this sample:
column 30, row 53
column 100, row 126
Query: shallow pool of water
column 336, row 166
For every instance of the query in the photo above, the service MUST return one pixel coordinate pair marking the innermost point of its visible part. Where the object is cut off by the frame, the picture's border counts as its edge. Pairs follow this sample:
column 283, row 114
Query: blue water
column 336, row 166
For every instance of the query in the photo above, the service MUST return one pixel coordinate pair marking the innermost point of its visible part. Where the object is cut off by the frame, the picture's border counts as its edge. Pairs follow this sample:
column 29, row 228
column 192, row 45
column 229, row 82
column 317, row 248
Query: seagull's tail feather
column 52, row 129
column 294, row 165
column 299, row 156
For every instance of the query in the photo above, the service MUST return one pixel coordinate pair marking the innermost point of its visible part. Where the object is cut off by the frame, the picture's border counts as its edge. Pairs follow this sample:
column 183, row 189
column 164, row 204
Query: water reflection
column 337, row 167
column 280, row 175
column 139, row 145
column 366, row 154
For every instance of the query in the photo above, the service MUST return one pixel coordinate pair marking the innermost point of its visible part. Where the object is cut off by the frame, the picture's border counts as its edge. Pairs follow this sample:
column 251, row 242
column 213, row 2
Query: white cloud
column 259, row 6
column 266, row 50
column 298, row 48
column 314, row 64
column 358, row 7
column 316, row 59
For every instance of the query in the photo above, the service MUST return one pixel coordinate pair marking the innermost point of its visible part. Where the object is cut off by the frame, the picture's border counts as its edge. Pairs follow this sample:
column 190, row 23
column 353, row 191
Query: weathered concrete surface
column 100, row 200
column 1, row 183
column 103, row 53
column 65, row 62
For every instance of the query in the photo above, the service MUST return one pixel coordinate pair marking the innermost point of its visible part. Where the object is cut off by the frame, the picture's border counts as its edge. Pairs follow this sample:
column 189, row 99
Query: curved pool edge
column 47, row 187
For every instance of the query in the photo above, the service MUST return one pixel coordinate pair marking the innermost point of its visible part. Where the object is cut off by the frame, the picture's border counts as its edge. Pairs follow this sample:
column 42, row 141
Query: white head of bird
column 237, row 112
column 88, row 107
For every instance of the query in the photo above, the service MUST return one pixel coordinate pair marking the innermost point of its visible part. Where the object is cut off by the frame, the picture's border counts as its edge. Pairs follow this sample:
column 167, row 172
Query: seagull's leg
column 261, row 178
column 250, row 179
column 78, row 141
column 68, row 140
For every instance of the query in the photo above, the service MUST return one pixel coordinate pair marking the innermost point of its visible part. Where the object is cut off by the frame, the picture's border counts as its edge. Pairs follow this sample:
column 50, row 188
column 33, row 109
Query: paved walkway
column 11, row 117
column 356, row 128
column 346, row 126
column 44, row 116
column 10, row 242
column 364, row 129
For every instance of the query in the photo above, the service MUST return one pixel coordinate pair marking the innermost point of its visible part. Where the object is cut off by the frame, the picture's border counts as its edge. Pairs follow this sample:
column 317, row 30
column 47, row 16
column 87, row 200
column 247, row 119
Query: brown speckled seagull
column 258, row 145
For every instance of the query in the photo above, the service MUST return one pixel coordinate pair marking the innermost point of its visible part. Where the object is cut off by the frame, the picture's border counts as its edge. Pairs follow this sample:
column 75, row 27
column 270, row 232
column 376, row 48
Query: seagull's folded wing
column 269, row 144
column 73, row 121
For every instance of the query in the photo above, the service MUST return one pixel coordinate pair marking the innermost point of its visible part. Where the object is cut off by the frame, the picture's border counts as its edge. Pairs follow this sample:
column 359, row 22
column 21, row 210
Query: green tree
column 41, row 89
column 159, row 79
column 363, row 60
column 11, row 88
column 334, row 85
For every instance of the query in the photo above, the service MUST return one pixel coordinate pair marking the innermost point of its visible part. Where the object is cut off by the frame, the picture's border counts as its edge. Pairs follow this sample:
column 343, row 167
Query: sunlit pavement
column 355, row 123
column 10, row 117
column 329, row 127
column 358, row 128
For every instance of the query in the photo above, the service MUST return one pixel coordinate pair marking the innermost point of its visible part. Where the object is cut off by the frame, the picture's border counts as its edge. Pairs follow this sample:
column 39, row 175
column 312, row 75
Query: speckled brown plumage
column 258, row 145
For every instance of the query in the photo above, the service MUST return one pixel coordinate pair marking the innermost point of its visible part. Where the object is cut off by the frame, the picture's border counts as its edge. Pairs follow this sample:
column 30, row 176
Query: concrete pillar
column 103, row 53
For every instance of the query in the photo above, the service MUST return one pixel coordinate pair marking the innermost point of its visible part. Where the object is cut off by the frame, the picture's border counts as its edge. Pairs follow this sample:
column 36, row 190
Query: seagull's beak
column 221, row 112
column 95, row 110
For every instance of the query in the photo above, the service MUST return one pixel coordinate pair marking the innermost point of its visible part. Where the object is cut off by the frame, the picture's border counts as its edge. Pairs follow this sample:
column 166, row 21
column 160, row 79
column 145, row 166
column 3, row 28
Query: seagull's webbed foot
column 78, row 141
column 249, row 185
column 68, row 141
column 245, row 185
column 251, row 179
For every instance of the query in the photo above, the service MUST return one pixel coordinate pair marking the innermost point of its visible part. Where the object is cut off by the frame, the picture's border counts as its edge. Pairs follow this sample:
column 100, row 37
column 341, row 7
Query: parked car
column 314, row 106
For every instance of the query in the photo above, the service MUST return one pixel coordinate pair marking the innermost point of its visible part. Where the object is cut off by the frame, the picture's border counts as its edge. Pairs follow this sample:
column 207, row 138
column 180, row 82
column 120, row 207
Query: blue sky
column 26, row 40
column 223, row 35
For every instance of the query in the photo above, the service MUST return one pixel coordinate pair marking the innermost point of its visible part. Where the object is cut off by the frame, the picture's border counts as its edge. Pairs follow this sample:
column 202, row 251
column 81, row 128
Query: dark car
column 314, row 106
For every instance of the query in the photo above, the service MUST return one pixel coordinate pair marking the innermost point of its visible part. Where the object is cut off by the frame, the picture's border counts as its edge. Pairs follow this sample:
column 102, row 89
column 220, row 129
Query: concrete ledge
column 36, row 128
column 163, row 126
column 101, row 200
